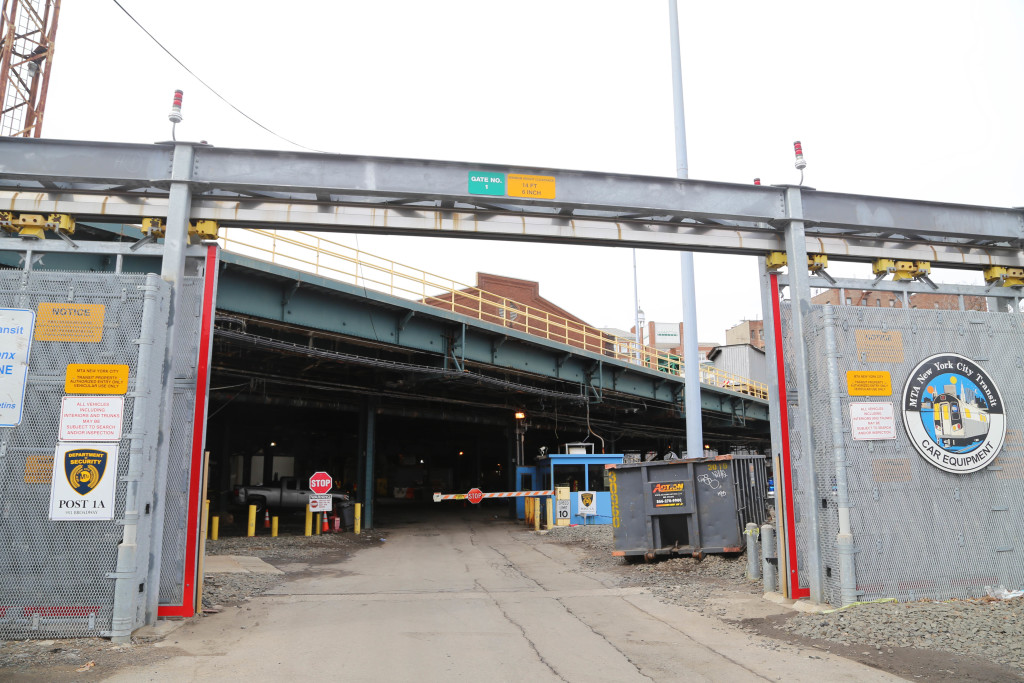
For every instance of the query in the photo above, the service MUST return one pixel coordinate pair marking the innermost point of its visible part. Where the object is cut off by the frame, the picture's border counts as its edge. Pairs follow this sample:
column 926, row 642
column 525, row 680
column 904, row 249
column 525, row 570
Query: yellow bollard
column 536, row 514
column 309, row 521
column 359, row 517
column 251, row 530
column 551, row 513
column 214, row 528
column 318, row 523
column 273, row 527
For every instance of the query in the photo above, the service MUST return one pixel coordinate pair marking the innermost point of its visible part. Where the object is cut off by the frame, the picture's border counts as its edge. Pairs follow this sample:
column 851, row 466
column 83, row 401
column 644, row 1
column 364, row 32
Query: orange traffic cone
column 325, row 529
column 266, row 519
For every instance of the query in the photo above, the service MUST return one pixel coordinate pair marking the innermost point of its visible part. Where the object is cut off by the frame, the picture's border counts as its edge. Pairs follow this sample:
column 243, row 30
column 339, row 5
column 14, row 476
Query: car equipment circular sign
column 953, row 413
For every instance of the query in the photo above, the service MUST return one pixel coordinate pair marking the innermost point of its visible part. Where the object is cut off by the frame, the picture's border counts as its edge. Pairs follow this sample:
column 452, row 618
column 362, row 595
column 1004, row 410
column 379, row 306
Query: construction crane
column 27, row 30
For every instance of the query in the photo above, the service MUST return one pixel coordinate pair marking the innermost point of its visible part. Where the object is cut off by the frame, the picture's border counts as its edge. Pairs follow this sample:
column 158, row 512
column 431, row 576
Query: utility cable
column 209, row 87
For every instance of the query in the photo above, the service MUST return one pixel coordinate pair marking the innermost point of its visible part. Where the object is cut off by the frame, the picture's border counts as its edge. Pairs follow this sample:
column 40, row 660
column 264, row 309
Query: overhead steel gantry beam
column 287, row 190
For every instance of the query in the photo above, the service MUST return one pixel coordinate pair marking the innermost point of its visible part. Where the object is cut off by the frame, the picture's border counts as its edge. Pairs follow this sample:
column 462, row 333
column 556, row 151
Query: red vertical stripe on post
column 787, row 481
column 188, row 601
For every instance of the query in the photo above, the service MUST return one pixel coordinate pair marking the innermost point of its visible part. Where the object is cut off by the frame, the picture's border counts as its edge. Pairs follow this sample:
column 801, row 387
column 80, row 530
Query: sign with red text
column 91, row 418
column 872, row 421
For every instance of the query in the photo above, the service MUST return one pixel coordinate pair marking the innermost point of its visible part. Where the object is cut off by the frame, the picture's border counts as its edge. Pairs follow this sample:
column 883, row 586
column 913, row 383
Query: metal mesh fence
column 52, row 573
column 57, row 578
column 919, row 531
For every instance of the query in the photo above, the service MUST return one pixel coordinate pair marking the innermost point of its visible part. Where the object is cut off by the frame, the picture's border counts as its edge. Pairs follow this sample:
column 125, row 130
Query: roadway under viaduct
column 310, row 373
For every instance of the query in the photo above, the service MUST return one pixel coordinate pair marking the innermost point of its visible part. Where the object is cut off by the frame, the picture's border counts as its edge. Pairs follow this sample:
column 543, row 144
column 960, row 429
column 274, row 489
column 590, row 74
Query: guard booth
column 580, row 469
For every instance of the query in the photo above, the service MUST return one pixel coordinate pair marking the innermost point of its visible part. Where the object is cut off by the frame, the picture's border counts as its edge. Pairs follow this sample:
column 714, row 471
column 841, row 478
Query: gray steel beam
column 327, row 180
column 745, row 240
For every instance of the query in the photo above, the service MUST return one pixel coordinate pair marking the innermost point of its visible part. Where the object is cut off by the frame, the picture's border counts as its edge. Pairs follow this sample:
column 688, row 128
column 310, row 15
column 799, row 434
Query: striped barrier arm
column 438, row 497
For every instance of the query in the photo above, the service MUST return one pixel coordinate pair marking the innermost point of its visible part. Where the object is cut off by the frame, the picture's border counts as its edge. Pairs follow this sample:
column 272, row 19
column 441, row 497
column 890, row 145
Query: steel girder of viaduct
column 287, row 190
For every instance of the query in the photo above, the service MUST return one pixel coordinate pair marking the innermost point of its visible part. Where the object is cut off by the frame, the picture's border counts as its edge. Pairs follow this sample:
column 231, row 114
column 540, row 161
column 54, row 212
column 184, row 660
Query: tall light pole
column 691, row 357
column 637, row 312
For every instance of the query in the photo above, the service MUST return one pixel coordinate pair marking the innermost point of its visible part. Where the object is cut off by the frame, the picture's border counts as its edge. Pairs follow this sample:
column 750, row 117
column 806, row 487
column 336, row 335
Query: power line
column 209, row 87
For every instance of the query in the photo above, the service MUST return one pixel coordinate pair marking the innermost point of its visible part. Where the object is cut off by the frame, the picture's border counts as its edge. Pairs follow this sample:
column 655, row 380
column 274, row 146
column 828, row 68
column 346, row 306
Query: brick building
column 747, row 332
column 517, row 304
column 866, row 297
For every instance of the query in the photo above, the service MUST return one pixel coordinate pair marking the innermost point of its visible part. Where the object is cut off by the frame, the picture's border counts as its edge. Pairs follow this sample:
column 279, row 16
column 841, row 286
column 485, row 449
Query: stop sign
column 320, row 483
column 475, row 496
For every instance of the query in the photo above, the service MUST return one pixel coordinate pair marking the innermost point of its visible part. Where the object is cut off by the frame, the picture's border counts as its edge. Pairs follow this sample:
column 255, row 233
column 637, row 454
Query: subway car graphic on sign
column 959, row 421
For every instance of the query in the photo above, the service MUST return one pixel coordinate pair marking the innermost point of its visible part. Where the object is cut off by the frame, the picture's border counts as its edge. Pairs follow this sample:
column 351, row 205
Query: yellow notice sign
column 96, row 379
column 70, row 322
column 868, row 383
column 532, row 186
column 878, row 346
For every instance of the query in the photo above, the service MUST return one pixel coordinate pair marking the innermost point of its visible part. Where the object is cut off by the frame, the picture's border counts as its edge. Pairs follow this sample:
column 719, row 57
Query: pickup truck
column 280, row 495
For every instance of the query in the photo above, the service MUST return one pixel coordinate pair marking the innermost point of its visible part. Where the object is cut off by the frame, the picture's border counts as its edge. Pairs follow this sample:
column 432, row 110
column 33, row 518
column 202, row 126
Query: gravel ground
column 987, row 629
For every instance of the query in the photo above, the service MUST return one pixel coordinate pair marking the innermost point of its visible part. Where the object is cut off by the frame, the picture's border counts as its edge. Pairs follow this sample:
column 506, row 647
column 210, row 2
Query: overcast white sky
column 917, row 99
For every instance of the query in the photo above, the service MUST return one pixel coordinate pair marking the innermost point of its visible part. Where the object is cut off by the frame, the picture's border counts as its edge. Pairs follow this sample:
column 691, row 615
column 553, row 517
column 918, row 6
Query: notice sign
column 879, row 346
column 84, row 478
column 872, row 421
column 70, row 322
column 91, row 418
column 320, row 502
column 868, row 383
column 96, row 379
column 15, row 341
column 669, row 494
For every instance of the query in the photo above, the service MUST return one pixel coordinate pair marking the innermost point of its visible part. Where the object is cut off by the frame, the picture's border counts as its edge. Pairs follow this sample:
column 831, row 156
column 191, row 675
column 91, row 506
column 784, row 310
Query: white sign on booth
column 586, row 503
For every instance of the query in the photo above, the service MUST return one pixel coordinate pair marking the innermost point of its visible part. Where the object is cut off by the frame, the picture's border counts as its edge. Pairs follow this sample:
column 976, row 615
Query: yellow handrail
column 314, row 253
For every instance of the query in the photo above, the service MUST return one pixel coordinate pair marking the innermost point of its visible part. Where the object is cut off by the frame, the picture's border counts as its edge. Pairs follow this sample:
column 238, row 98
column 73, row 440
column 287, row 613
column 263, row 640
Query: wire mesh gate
column 62, row 578
column 918, row 531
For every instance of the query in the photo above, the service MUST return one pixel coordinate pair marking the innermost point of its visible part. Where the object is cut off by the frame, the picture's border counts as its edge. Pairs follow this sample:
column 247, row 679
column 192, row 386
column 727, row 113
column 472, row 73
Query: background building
column 865, row 297
column 747, row 332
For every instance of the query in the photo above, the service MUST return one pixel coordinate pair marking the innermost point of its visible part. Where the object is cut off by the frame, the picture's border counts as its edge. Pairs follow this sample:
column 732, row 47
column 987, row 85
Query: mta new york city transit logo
column 954, row 413
column 84, row 468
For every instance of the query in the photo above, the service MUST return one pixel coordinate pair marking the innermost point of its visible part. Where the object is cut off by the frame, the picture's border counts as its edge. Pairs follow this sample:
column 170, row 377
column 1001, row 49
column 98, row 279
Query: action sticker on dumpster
column 668, row 494
column 320, row 503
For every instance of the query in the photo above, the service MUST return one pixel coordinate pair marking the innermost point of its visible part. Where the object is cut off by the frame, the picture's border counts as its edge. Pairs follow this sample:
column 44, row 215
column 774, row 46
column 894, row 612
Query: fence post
column 769, row 552
column 753, row 566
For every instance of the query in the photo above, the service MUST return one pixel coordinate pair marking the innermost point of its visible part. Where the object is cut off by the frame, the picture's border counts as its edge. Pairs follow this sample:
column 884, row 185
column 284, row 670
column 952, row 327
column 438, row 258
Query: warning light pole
column 27, row 32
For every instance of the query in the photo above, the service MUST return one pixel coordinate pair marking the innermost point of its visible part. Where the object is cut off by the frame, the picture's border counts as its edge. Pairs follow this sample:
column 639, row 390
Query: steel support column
column 369, row 429
column 172, row 271
column 800, row 295
column 776, row 403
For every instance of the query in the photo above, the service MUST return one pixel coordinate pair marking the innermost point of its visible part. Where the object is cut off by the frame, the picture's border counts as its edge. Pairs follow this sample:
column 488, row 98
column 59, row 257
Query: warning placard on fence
column 94, row 378
column 91, row 418
column 84, row 479
column 70, row 322
column 872, row 421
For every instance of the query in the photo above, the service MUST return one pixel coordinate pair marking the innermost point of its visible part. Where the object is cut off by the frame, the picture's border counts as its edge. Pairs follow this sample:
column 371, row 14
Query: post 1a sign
column 321, row 483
